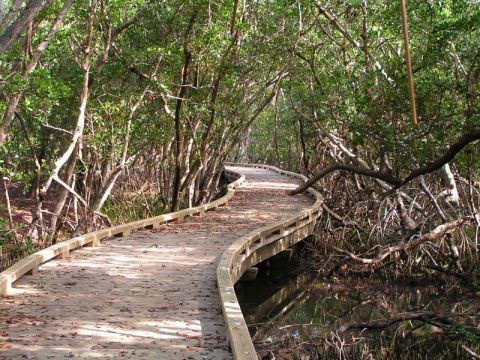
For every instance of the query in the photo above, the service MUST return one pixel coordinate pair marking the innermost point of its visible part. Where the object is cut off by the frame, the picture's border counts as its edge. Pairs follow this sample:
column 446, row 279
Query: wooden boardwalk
column 151, row 295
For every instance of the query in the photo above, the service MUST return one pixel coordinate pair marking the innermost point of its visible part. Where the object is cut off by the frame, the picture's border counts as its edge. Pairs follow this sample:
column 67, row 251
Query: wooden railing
column 31, row 263
column 247, row 251
column 252, row 249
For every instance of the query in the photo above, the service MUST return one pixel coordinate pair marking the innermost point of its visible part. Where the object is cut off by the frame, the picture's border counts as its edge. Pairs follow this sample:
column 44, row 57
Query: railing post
column 5, row 288
column 33, row 270
column 94, row 243
column 64, row 253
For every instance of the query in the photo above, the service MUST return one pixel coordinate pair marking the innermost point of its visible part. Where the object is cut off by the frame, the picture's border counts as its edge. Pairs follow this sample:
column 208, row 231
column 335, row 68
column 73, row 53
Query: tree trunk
column 78, row 132
column 178, row 125
column 452, row 192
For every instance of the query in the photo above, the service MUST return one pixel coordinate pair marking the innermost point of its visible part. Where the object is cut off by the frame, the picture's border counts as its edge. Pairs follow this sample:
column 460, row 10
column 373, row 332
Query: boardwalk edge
column 252, row 249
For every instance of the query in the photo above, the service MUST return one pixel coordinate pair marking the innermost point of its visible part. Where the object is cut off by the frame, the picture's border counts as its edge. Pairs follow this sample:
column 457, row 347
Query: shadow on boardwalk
column 149, row 296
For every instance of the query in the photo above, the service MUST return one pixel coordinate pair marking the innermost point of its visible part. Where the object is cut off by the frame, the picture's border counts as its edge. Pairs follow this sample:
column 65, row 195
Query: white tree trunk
column 452, row 191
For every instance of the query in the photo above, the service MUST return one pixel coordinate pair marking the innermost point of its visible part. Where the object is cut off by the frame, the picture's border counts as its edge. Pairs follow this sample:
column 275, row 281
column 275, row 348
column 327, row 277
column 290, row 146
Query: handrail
column 31, row 263
column 242, row 254
column 247, row 252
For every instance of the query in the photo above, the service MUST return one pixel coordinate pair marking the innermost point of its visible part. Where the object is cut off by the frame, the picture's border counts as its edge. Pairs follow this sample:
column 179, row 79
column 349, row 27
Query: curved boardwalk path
column 151, row 295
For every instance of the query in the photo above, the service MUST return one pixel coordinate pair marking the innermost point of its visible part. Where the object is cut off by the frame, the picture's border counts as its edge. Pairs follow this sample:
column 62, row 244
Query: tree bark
column 69, row 153
column 63, row 193
column 452, row 191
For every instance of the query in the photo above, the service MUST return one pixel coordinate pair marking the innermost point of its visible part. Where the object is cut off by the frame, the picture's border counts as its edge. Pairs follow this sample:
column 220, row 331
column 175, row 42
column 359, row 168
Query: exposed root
column 433, row 235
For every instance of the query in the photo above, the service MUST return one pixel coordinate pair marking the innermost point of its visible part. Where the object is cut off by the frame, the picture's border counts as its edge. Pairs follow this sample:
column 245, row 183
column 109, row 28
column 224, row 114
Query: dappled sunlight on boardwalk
column 151, row 295
column 270, row 185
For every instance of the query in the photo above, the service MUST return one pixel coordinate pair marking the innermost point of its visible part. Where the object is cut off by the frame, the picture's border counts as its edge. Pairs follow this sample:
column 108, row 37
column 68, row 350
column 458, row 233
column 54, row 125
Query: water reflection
column 358, row 318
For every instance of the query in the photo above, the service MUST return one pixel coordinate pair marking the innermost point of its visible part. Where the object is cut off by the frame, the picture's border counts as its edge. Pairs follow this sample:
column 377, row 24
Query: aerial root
column 433, row 235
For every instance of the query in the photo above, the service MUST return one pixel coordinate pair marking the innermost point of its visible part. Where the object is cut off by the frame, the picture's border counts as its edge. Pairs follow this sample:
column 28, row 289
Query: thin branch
column 125, row 25
column 427, row 191
column 48, row 126
column 357, row 45
column 425, row 316
column 70, row 190
column 473, row 354
column 81, row 199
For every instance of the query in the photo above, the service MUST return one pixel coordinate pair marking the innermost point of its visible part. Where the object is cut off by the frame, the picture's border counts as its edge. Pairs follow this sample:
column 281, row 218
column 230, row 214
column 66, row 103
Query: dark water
column 308, row 313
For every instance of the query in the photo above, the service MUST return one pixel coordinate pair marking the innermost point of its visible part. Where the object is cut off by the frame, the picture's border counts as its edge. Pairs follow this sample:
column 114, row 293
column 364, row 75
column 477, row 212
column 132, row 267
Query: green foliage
column 328, row 85
column 354, row 99
column 11, row 249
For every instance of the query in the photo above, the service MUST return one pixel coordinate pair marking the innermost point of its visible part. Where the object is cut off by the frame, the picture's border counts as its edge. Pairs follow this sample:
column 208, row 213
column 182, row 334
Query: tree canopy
column 107, row 102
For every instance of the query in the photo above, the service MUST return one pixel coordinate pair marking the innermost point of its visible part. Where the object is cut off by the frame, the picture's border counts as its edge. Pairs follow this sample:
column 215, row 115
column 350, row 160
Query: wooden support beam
column 93, row 243
column 250, row 274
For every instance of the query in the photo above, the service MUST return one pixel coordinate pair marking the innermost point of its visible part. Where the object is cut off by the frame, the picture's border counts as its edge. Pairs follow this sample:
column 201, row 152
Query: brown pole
column 408, row 60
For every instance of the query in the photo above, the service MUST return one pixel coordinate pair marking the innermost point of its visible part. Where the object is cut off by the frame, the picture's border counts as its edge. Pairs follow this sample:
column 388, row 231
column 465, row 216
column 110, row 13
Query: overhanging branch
column 397, row 182
column 360, row 170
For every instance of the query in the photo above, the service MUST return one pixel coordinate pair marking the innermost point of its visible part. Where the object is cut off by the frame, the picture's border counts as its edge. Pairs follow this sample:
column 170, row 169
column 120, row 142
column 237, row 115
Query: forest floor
column 21, row 205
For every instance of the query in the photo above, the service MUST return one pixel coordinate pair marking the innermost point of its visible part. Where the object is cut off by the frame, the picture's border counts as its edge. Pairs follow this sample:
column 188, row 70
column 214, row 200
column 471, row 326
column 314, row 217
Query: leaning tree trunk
column 13, row 31
column 78, row 132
